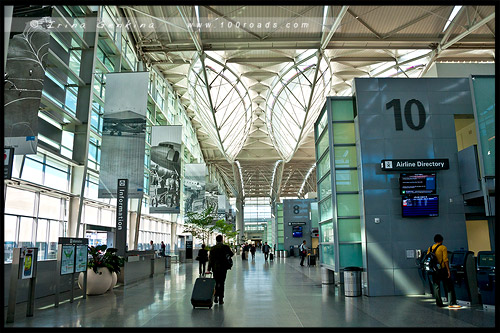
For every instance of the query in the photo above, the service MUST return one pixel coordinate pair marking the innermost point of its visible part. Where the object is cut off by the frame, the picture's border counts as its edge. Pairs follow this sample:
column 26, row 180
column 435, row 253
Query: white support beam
column 336, row 24
column 194, row 36
column 469, row 30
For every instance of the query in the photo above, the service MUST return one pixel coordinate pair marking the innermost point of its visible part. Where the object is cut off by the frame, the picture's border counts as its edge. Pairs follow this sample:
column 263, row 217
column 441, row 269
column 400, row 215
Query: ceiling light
column 454, row 13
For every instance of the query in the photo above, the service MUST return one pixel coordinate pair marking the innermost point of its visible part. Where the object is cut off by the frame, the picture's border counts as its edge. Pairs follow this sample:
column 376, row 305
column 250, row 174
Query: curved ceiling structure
column 295, row 99
column 222, row 102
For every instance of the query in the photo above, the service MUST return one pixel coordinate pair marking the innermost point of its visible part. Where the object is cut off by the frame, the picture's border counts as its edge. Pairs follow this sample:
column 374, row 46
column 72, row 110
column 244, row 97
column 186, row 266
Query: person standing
column 252, row 251
column 162, row 252
column 265, row 249
column 151, row 245
column 442, row 274
column 302, row 252
column 202, row 259
column 217, row 263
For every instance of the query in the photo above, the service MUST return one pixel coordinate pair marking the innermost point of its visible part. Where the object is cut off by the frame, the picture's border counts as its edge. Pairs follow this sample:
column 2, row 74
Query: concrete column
column 173, row 236
column 239, row 219
column 74, row 204
column 7, row 23
column 132, row 218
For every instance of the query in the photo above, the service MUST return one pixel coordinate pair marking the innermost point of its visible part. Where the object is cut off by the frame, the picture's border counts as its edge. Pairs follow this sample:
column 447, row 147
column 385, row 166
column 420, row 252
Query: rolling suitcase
column 203, row 292
column 311, row 260
column 271, row 256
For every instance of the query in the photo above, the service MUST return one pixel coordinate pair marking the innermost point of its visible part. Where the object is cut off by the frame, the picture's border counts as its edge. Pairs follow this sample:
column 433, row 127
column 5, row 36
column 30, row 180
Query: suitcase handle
column 206, row 273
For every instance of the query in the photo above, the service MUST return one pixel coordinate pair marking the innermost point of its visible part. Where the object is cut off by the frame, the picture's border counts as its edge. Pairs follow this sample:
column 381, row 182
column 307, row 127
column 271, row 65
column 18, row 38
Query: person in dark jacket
column 252, row 251
column 202, row 259
column 265, row 249
column 217, row 263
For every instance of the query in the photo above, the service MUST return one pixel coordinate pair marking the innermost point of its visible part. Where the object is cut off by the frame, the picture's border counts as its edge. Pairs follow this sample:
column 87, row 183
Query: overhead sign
column 121, row 216
column 8, row 160
column 415, row 164
column 296, row 223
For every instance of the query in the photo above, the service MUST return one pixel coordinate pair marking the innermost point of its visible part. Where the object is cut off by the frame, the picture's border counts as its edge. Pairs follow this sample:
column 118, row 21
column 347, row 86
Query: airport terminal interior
column 327, row 144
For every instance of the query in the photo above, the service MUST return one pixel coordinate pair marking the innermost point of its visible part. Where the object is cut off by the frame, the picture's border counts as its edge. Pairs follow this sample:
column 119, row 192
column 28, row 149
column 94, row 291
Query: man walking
column 442, row 274
column 265, row 249
column 302, row 252
column 217, row 263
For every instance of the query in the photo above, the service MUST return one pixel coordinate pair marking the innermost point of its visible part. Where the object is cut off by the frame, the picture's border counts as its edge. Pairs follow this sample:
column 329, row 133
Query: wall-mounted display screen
column 458, row 259
column 297, row 231
column 417, row 183
column 486, row 260
column 421, row 205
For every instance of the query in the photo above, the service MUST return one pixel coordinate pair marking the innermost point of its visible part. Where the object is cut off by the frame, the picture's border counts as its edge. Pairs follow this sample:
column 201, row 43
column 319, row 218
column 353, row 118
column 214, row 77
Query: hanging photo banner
column 164, row 189
column 124, row 133
column 222, row 206
column 194, row 187
column 24, row 73
column 212, row 197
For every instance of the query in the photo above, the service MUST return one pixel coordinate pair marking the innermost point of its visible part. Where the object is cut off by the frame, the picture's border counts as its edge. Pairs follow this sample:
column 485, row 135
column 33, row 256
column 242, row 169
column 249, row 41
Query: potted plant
column 102, row 269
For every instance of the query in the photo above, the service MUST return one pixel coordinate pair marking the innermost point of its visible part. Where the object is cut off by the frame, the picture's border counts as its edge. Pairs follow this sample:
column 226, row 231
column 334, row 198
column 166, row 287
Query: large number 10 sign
column 398, row 119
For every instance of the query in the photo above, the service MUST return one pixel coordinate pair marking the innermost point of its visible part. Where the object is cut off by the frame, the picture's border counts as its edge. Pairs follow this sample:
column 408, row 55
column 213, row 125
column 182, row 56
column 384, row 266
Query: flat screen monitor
column 417, row 183
column 458, row 258
column 297, row 234
column 296, row 228
column 420, row 206
column 486, row 260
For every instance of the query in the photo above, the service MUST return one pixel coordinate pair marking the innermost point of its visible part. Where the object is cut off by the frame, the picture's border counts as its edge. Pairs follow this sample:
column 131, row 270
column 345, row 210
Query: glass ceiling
column 222, row 103
column 295, row 99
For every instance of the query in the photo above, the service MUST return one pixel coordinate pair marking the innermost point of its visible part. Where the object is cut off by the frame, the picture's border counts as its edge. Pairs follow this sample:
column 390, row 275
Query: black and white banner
column 164, row 189
column 194, row 187
column 121, row 216
column 23, row 84
column 124, row 133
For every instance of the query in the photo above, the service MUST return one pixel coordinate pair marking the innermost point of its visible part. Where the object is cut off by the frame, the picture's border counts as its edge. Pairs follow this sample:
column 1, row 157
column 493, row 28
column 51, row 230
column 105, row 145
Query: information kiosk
column 486, row 278
column 463, row 275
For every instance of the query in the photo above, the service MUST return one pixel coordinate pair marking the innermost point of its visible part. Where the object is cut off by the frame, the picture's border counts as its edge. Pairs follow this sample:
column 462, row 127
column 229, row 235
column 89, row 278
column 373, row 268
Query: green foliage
column 204, row 224
column 102, row 256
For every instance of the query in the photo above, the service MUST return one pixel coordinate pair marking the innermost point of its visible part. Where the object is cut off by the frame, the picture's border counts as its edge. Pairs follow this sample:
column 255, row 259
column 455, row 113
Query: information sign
column 415, row 164
column 28, row 264
column 68, row 259
column 81, row 258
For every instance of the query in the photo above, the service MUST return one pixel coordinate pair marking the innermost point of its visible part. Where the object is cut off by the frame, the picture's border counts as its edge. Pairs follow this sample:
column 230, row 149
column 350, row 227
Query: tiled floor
column 258, row 294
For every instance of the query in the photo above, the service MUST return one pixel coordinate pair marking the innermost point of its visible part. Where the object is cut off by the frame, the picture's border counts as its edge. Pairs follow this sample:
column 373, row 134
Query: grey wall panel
column 407, row 282
column 468, row 166
column 379, row 255
column 381, row 282
column 437, row 139
column 378, row 232
column 302, row 216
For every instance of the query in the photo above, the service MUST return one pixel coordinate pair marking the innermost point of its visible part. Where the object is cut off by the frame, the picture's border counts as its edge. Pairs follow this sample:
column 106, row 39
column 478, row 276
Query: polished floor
column 258, row 294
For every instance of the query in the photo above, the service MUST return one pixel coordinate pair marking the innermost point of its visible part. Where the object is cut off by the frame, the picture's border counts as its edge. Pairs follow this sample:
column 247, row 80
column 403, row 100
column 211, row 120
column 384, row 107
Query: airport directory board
column 417, row 183
column 420, row 206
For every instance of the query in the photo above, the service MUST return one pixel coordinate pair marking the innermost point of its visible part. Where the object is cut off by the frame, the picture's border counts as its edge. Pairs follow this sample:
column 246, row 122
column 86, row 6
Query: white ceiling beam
column 326, row 40
column 362, row 22
column 194, row 36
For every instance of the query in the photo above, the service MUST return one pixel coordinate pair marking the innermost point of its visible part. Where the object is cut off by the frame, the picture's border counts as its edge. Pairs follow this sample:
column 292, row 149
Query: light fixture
column 454, row 13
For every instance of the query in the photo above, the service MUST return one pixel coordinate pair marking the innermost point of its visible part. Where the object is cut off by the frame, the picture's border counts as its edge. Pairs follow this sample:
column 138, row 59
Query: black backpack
column 229, row 261
column 430, row 261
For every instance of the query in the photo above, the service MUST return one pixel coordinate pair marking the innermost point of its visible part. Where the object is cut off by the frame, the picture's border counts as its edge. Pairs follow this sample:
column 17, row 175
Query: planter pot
column 97, row 284
column 113, row 281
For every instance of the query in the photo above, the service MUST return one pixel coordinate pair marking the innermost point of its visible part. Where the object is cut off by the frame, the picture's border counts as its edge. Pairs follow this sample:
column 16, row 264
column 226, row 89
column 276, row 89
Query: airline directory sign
column 81, row 258
column 28, row 264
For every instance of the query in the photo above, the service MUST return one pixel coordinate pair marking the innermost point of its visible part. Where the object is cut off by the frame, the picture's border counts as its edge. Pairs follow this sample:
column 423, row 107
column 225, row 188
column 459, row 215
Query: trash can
column 352, row 281
column 326, row 276
column 285, row 253
column 168, row 261
column 291, row 251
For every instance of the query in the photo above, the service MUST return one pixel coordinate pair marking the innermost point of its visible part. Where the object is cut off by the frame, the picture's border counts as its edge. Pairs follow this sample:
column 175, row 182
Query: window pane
column 91, row 214
column 326, row 232
column 342, row 110
column 324, row 165
column 327, row 254
column 325, row 187
column 350, row 255
column 325, row 210
column 50, row 207
column 345, row 157
column 343, row 133
column 41, row 238
column 107, row 218
column 348, row 204
column 322, row 123
column 19, row 202
column 322, row 144
column 349, row 230
column 346, row 180
column 54, row 234
column 9, row 229
column 56, row 179
column 26, row 232
column 32, row 171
